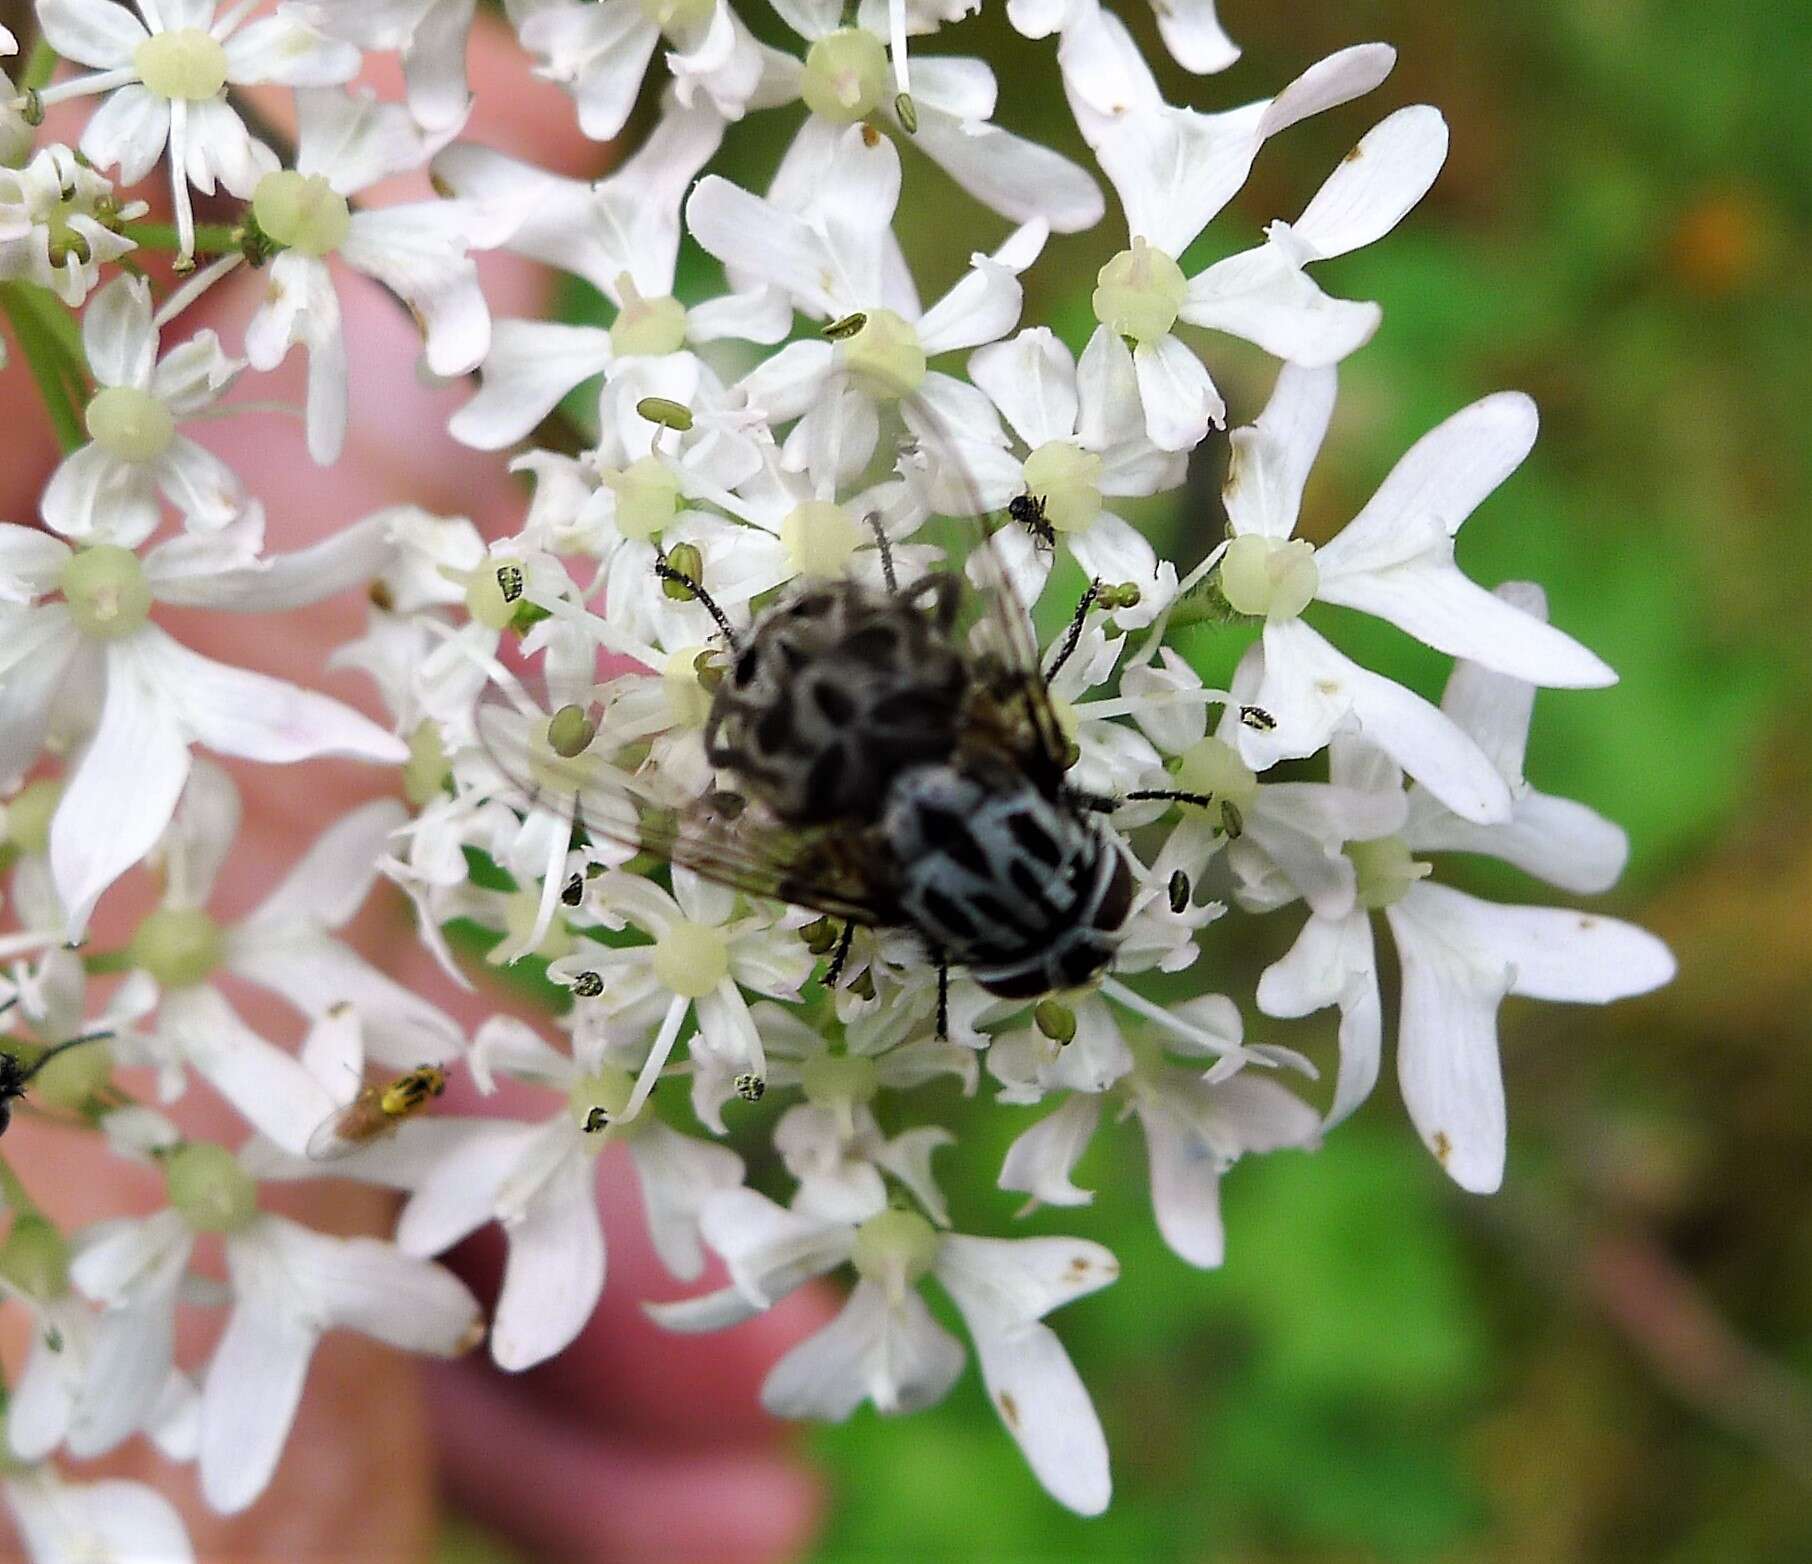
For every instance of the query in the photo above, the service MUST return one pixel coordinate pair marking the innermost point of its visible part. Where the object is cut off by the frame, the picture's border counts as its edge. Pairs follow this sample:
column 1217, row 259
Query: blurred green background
column 1609, row 1360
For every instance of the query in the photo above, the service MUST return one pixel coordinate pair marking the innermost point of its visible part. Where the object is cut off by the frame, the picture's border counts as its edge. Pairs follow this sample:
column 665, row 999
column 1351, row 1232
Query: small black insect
column 16, row 1074
column 1028, row 511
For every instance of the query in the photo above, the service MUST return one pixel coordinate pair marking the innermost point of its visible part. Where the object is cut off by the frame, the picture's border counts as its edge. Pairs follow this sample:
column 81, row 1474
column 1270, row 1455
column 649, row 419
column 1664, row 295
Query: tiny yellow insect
column 376, row 1112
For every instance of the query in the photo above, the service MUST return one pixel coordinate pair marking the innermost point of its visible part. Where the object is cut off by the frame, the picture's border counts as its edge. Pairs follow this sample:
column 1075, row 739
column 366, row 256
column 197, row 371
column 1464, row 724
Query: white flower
column 886, row 1348
column 833, row 260
column 846, row 80
column 431, row 37
column 106, row 492
column 1461, row 956
column 418, row 250
column 1196, row 1127
column 622, row 235
column 283, row 944
column 600, row 53
column 157, row 697
column 1084, row 432
column 50, row 230
column 166, row 79
column 1189, row 28
column 108, row 1522
column 706, row 950
column 538, row 1182
column 1394, row 559
column 1174, row 169
column 288, row 1286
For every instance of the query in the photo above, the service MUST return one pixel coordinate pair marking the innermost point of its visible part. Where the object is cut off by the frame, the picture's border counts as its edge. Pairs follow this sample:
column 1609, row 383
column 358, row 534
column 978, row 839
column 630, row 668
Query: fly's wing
column 1009, row 661
column 342, row 1132
column 616, row 804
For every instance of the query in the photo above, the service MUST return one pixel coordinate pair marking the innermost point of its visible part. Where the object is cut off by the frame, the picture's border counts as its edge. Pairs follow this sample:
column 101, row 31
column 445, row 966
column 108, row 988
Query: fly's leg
column 885, row 546
column 943, row 997
column 667, row 571
column 1074, row 635
column 835, row 970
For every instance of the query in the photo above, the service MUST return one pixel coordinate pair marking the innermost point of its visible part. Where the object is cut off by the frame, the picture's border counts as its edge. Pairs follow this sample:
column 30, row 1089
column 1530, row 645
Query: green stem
column 13, row 1192
column 49, row 365
column 210, row 238
column 39, row 67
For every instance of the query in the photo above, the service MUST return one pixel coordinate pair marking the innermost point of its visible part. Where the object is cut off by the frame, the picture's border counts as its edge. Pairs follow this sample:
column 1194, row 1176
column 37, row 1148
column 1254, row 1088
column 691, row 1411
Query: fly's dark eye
column 1081, row 963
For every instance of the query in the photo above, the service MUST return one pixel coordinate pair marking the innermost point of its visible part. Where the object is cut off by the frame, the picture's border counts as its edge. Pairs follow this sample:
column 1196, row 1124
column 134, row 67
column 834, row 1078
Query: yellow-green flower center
column 1211, row 766
column 1067, row 478
column 493, row 590
column 130, row 424
column 819, row 538
column 28, row 816
column 183, row 63
column 648, row 497
column 1139, row 292
column 520, row 909
column 845, row 75
column 35, row 1259
column 1269, row 578
column 688, row 701
column 1385, row 869
column 426, row 770
column 209, row 1189
column 884, row 356
column 302, row 211
column 179, row 946
column 106, row 590
column 609, row 1089
column 678, row 19
column 647, row 326
column 691, row 958
column 74, row 1076
column 832, row 1078
column 895, row 1248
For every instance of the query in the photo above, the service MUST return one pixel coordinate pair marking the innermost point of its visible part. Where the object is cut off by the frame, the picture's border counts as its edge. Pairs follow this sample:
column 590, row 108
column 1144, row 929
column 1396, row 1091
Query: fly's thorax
column 1005, row 878
column 835, row 692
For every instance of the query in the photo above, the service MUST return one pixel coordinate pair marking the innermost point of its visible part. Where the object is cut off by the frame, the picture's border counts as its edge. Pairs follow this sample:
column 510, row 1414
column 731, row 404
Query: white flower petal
column 117, row 334
column 1431, row 600
column 770, row 1250
column 1269, row 460
column 1447, row 1061
column 1017, row 178
column 373, row 1287
column 91, row 32
column 1440, row 480
column 531, row 365
column 238, row 712
column 1264, row 296
column 249, row 1399
column 1178, row 395
column 555, row 1270
column 200, row 834
column 677, row 1172
column 1313, row 691
column 1194, row 36
column 127, row 132
column 330, row 882
column 125, row 786
column 1377, row 183
column 895, row 1355
column 1042, row 1158
column 266, row 1085
column 1032, row 380
column 1029, row 1377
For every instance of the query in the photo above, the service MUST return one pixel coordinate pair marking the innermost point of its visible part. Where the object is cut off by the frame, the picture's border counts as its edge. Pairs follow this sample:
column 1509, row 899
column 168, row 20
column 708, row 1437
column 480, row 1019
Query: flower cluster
column 550, row 696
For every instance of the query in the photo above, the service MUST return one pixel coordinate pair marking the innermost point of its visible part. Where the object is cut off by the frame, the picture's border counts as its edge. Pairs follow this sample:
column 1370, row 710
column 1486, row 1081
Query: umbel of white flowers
column 795, row 422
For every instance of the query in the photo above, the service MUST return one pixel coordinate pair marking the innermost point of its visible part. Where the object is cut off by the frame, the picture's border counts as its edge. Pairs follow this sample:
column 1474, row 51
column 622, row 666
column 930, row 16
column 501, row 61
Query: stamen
column 657, row 1055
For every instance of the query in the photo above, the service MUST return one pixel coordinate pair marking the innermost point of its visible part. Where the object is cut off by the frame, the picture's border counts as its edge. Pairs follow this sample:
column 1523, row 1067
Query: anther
column 751, row 1087
column 596, row 1121
column 1257, row 717
column 848, row 326
column 669, row 414
column 588, row 985
column 1179, row 892
column 573, row 892
column 570, row 732
column 1056, row 1021
column 908, row 113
